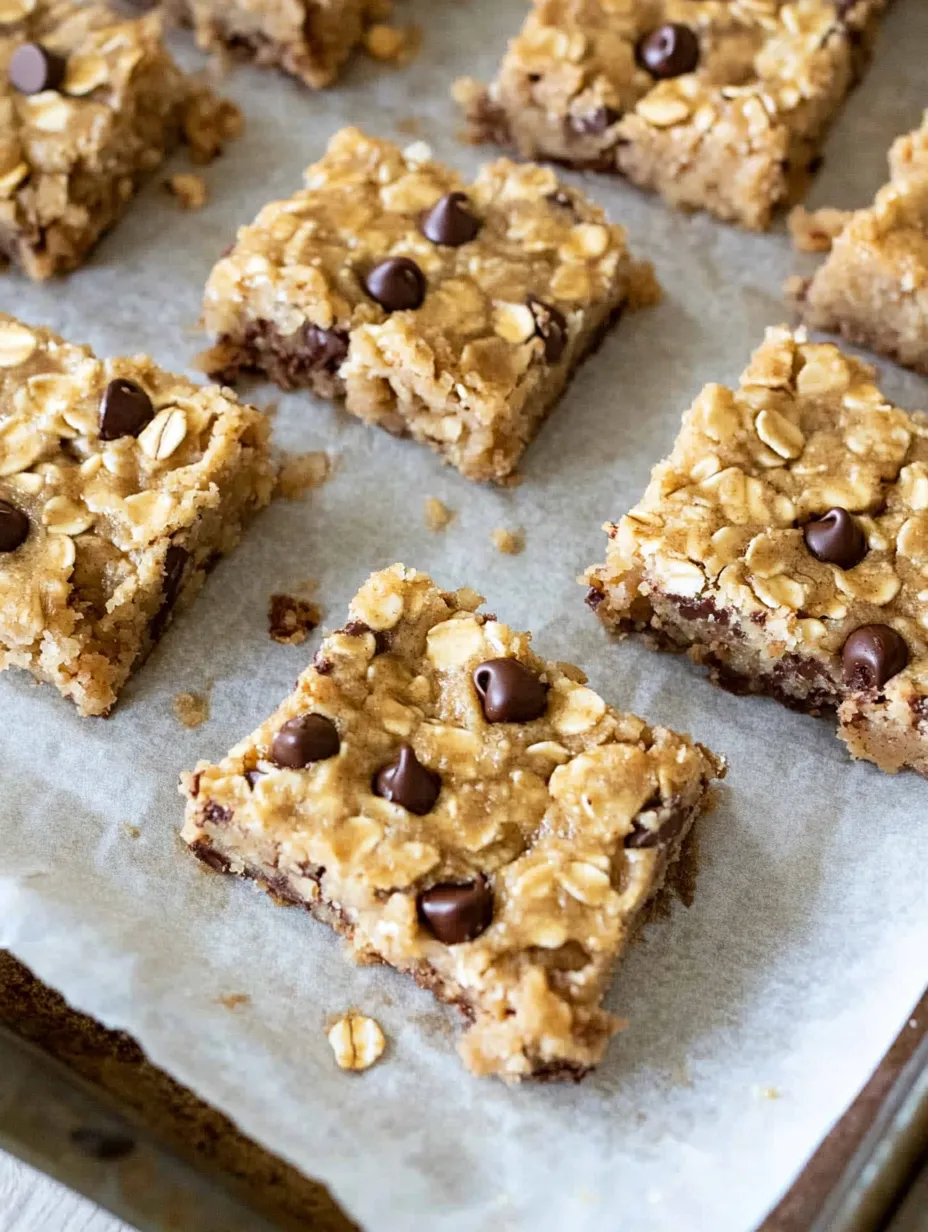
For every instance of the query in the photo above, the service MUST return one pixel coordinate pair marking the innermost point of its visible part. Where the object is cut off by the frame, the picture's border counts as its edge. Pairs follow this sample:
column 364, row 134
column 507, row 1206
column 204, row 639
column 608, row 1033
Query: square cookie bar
column 451, row 313
column 463, row 810
column 784, row 546
column 721, row 105
column 120, row 486
column 873, row 288
column 89, row 103
column 309, row 38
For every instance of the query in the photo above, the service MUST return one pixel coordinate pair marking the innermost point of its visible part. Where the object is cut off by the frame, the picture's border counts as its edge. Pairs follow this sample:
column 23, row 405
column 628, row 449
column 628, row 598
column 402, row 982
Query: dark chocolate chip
column 405, row 781
column 457, row 913
column 382, row 637
column 102, row 1144
column 325, row 350
column 595, row 122
column 669, row 51
column 550, row 327
column 872, row 655
column 210, row 857
column 305, row 739
column 396, row 284
column 125, row 410
column 14, row 527
column 594, row 598
column 218, row 814
column 642, row 836
column 449, row 221
column 34, row 68
column 175, row 564
column 252, row 776
column 509, row 691
column 836, row 538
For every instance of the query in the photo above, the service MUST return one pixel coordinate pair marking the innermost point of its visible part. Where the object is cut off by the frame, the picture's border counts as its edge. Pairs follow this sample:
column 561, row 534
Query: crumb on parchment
column 437, row 514
column 291, row 619
column 301, row 472
column 190, row 190
column 509, row 542
column 191, row 709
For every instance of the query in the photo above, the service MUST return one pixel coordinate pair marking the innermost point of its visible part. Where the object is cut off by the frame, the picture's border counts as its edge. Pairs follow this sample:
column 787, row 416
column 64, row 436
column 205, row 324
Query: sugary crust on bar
column 121, row 531
column 570, row 819
column 736, row 136
column 714, row 559
column 873, row 288
column 469, row 371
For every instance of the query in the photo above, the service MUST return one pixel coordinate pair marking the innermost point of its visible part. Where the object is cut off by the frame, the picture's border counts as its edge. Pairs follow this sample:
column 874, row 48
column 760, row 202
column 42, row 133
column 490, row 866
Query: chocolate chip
column 457, row 913
column 509, row 692
column 563, row 200
column 449, row 221
column 33, row 69
column 103, row 1145
column 669, row 51
column 210, row 857
column 396, row 284
column 405, row 781
column 594, row 598
column 305, row 739
column 252, row 776
column 124, row 411
column 872, row 655
column 662, row 835
column 595, row 122
column 14, row 527
column 836, row 538
column 175, row 563
column 325, row 350
column 550, row 327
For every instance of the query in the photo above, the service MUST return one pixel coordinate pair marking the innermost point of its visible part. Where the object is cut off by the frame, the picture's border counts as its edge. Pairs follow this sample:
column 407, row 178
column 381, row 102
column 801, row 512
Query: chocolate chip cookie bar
column 720, row 105
column 309, row 38
column 452, row 314
column 89, row 104
column 784, row 546
column 873, row 288
column 120, row 486
column 464, row 811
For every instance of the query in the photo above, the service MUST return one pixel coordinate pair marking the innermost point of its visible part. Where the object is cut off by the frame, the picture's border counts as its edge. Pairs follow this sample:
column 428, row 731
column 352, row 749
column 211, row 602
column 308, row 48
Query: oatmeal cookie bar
column 309, row 38
column 873, row 288
column 120, row 485
column 89, row 103
column 784, row 546
column 454, row 314
column 721, row 105
column 463, row 810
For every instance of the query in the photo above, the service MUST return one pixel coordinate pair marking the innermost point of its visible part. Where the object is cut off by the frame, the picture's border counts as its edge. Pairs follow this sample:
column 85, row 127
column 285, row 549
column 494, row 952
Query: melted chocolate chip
column 34, row 68
column 593, row 123
column 669, row 51
column 662, row 835
column 450, row 222
column 125, row 410
column 175, row 564
column 305, row 739
column 550, row 327
column 397, row 284
column 872, row 655
column 457, row 913
column 405, row 781
column 836, row 538
column 102, row 1144
column 209, row 856
column 509, row 692
column 14, row 527
column 325, row 350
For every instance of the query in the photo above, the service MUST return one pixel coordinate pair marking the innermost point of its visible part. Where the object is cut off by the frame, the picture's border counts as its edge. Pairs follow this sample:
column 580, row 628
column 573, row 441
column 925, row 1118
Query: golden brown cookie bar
column 309, row 38
column 451, row 313
column 463, row 810
column 873, row 288
column 721, row 105
column 89, row 103
column 120, row 486
column 784, row 545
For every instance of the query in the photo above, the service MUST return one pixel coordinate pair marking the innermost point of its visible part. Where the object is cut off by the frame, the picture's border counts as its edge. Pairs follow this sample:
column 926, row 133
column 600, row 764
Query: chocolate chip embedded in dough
column 305, row 739
column 872, row 655
column 509, row 691
column 124, row 410
column 14, row 527
column 550, row 327
column 836, row 539
column 450, row 221
column 405, row 781
column 668, row 51
column 397, row 284
column 457, row 913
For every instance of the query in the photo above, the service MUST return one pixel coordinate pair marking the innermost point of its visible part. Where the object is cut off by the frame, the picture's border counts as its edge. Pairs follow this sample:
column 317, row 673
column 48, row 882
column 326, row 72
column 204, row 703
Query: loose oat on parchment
column 357, row 1041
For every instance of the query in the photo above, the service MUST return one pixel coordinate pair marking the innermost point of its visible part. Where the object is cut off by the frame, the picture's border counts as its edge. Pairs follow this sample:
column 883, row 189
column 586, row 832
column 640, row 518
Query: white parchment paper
column 806, row 946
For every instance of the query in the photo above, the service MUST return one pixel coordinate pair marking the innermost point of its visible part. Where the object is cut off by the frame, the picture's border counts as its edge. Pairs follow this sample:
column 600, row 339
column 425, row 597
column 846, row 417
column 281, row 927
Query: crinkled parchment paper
column 806, row 945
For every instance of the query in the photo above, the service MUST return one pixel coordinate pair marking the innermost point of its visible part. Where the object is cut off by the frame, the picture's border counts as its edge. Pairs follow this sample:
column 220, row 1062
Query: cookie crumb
column 290, row 619
column 210, row 122
column 437, row 514
column 301, row 472
column 815, row 230
column 767, row 1092
column 395, row 44
column 509, row 542
column 357, row 1041
column 191, row 709
column 232, row 1000
column 131, row 831
column 409, row 126
column 190, row 190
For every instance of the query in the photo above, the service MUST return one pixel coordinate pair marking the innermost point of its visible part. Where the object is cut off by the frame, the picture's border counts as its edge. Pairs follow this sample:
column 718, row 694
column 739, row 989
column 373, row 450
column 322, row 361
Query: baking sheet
column 755, row 1015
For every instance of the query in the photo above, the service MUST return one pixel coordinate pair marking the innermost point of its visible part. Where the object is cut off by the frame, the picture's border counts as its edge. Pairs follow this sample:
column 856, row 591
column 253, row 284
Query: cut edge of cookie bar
column 101, row 544
column 873, row 287
column 506, row 315
column 783, row 545
column 127, row 104
column 738, row 151
column 464, row 811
